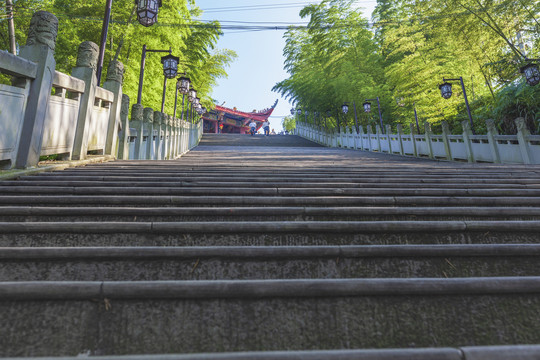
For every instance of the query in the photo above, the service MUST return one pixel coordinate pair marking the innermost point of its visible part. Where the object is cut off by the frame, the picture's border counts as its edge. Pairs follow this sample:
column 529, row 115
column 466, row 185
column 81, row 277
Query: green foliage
column 288, row 123
column 192, row 41
column 413, row 45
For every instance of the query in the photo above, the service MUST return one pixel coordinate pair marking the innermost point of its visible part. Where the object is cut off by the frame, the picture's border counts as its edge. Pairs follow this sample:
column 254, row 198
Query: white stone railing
column 522, row 148
column 45, row 112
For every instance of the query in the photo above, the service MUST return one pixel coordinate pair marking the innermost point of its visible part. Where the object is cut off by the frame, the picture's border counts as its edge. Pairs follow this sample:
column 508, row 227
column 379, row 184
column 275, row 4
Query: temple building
column 233, row 120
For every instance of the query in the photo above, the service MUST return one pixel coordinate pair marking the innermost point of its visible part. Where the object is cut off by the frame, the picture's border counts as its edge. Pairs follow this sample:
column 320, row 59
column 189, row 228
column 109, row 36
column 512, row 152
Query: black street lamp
column 532, row 74
column 182, row 86
column 446, row 92
column 367, row 108
column 147, row 11
column 170, row 66
column 292, row 111
column 345, row 109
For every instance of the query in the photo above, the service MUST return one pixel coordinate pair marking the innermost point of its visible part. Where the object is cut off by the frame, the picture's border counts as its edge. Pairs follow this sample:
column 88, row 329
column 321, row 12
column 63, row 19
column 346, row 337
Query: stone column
column 427, row 135
column 400, row 138
column 85, row 70
column 467, row 132
column 413, row 139
column 445, row 134
column 523, row 134
column 39, row 48
column 492, row 132
column 389, row 138
column 137, row 123
column 378, row 131
column 369, row 132
column 113, row 83
column 158, row 118
column 148, row 119
column 123, row 141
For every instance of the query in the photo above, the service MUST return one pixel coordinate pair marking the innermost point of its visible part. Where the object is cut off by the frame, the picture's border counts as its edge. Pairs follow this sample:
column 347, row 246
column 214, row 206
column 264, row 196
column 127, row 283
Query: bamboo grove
column 403, row 56
column 191, row 40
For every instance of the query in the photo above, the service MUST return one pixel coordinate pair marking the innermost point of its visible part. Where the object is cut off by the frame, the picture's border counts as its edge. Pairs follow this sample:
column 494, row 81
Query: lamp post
column 182, row 86
column 345, row 109
column 416, row 118
column 531, row 72
column 446, row 92
column 147, row 11
column 170, row 67
column 367, row 108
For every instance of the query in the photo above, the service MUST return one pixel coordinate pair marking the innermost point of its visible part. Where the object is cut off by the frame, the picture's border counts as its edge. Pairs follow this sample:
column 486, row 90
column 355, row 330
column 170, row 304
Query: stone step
column 270, row 190
column 267, row 262
column 75, row 234
column 521, row 352
column 234, row 200
column 261, row 182
column 179, row 214
column 265, row 315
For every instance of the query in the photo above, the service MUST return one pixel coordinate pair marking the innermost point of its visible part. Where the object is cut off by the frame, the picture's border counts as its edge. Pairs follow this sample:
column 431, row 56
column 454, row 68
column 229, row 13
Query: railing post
column 123, row 141
column 467, row 132
column 378, row 131
column 158, row 116
column 493, row 144
column 522, row 134
column 137, row 123
column 361, row 136
column 169, row 136
column 427, row 135
column 355, row 137
column 163, row 130
column 85, row 70
column 400, row 138
column 389, row 138
column 113, row 83
column 413, row 139
column 445, row 133
column 39, row 48
column 148, row 118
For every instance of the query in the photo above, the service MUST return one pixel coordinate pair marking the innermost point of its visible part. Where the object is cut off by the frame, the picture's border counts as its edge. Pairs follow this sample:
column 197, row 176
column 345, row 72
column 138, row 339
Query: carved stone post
column 123, row 141
column 361, row 136
column 523, row 134
column 378, row 131
column 492, row 132
column 158, row 118
column 445, row 134
column 39, row 48
column 85, row 70
column 413, row 139
column 400, row 138
column 389, row 138
column 369, row 132
column 148, row 119
column 467, row 133
column 137, row 123
column 113, row 83
column 427, row 135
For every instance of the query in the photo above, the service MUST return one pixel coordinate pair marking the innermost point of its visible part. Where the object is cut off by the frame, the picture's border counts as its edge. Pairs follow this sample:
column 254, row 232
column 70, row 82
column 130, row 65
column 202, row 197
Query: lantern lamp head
column 147, row 11
column 192, row 94
column 345, row 108
column 170, row 66
column 446, row 90
column 306, row 112
column 183, row 84
column 532, row 74
column 299, row 111
column 292, row 111
column 367, row 106
column 197, row 102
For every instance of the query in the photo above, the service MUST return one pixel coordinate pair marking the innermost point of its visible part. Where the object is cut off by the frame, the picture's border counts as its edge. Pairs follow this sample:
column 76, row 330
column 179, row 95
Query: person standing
column 266, row 127
column 252, row 127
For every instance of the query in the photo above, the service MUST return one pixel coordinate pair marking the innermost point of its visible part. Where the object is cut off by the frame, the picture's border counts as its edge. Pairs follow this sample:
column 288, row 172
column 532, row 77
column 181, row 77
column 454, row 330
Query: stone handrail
column 522, row 148
column 46, row 112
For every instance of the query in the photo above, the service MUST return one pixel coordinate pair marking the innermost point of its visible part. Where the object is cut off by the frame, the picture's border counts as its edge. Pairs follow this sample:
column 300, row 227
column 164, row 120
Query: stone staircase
column 272, row 248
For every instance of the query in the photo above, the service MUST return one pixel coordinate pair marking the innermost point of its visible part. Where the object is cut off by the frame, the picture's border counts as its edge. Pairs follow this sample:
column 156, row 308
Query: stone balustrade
column 522, row 148
column 46, row 112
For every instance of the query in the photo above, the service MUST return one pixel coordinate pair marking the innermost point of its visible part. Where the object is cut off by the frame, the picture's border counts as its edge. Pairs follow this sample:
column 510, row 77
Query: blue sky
column 259, row 65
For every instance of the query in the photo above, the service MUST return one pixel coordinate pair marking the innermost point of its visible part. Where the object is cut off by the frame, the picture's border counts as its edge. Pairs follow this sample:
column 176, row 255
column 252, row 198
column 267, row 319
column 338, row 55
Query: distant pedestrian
column 252, row 127
column 273, row 132
column 266, row 127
